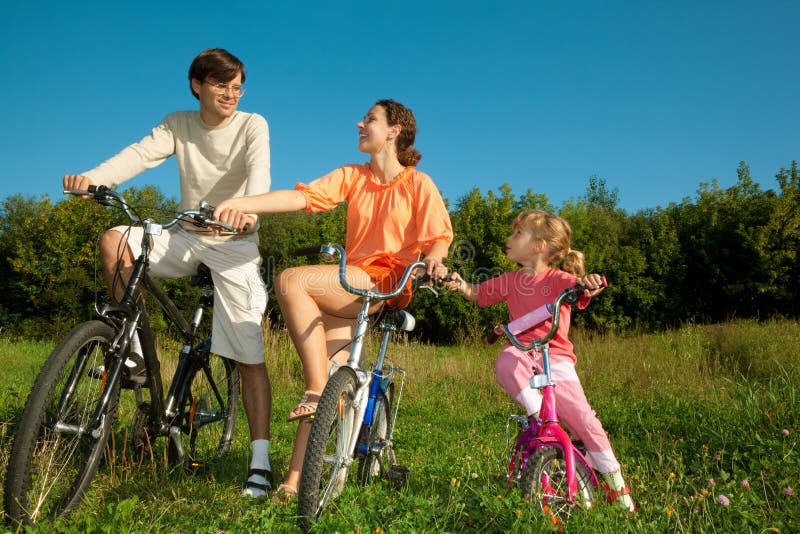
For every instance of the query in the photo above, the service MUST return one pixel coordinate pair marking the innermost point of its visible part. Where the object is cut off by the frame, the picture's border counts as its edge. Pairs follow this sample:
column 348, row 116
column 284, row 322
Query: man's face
column 218, row 100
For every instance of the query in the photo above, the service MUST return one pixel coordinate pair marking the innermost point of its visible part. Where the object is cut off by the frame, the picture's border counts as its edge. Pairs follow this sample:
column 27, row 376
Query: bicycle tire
column 544, row 482
column 380, row 453
column 327, row 458
column 48, row 471
column 207, row 410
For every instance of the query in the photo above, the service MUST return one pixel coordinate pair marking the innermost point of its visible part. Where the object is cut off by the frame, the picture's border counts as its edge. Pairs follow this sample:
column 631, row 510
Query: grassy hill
column 694, row 415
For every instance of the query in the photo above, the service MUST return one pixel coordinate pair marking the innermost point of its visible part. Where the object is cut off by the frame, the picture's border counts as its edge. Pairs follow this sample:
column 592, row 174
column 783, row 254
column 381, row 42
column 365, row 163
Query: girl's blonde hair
column 556, row 235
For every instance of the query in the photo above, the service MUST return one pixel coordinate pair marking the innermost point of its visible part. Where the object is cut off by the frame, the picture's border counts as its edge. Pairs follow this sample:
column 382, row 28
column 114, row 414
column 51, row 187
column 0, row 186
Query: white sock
column 617, row 483
column 258, row 460
column 136, row 348
column 530, row 400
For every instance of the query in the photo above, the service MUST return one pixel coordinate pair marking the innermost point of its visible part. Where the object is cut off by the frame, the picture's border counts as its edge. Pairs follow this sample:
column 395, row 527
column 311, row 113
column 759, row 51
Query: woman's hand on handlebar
column 592, row 283
column 435, row 269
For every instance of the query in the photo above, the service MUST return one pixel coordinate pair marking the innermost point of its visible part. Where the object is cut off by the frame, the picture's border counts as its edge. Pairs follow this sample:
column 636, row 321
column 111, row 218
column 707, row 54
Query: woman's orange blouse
column 386, row 223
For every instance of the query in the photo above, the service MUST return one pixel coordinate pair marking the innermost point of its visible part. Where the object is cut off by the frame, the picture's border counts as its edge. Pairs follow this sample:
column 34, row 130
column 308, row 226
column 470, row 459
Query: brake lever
column 426, row 281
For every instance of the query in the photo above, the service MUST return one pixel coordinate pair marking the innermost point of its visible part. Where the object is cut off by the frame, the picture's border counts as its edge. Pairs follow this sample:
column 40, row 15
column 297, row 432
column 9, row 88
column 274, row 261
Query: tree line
column 724, row 253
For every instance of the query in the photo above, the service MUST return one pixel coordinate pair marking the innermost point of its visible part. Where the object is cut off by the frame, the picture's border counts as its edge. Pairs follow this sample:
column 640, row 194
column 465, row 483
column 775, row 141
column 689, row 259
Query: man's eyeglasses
column 222, row 88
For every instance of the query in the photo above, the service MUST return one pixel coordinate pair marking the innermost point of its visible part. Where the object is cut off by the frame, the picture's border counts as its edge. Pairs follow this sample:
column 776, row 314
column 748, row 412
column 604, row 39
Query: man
column 221, row 153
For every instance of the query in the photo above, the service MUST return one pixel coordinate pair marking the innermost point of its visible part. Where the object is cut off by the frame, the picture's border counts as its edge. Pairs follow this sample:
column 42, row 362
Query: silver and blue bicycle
column 357, row 412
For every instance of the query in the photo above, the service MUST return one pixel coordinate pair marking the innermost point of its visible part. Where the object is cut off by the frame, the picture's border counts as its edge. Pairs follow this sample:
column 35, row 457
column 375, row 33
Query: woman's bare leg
column 320, row 317
column 305, row 294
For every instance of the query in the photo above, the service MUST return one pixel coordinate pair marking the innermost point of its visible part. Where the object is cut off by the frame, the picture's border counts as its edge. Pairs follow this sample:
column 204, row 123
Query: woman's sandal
column 305, row 408
column 285, row 494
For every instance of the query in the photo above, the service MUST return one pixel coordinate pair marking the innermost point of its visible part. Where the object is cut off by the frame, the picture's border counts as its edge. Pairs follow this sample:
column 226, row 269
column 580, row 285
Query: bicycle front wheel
column 207, row 406
column 328, row 458
column 544, row 481
column 58, row 446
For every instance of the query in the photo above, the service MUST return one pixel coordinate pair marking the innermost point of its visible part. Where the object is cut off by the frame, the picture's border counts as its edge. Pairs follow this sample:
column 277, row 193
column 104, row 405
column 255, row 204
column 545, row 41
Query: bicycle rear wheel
column 208, row 402
column 544, row 482
column 328, row 458
column 58, row 448
column 380, row 453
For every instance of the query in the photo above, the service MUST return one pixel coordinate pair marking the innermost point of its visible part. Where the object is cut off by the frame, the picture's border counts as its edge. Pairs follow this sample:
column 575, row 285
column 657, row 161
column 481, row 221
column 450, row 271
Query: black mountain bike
column 70, row 411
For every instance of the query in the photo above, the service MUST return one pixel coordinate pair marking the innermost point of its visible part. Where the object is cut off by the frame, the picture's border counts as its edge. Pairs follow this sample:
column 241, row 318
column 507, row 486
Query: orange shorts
column 386, row 277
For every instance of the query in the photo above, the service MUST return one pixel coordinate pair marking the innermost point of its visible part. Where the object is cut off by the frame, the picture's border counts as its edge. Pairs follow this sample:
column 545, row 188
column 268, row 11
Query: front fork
column 553, row 432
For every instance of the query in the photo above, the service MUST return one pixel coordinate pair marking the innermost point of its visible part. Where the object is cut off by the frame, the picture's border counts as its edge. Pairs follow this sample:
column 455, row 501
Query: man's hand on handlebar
column 77, row 182
column 228, row 213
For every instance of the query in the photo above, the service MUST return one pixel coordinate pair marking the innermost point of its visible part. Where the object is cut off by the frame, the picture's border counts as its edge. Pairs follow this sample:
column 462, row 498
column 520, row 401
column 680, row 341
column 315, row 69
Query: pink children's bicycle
column 549, row 468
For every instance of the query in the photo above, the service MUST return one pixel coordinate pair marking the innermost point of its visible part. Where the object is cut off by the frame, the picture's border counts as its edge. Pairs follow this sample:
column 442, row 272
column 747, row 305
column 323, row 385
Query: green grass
column 691, row 414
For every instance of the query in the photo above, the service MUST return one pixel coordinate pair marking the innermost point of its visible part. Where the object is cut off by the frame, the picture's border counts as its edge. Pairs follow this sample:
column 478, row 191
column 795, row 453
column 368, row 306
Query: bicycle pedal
column 133, row 383
column 193, row 467
column 398, row 474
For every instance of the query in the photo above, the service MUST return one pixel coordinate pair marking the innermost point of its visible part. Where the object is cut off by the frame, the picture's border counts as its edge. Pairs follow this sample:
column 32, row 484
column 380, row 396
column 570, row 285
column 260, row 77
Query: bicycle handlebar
column 330, row 252
column 202, row 217
column 569, row 295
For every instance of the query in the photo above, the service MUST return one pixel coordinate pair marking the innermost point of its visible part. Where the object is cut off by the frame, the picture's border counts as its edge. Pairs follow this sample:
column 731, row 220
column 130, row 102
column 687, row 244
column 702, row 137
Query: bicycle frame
column 371, row 386
column 127, row 316
column 550, row 430
column 348, row 413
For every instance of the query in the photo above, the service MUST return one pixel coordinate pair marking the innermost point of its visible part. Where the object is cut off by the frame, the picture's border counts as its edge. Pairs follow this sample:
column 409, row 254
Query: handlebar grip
column 98, row 192
column 579, row 289
column 492, row 335
column 307, row 251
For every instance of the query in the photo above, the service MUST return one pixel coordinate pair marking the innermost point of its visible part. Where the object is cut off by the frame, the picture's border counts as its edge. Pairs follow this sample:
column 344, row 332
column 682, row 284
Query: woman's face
column 374, row 131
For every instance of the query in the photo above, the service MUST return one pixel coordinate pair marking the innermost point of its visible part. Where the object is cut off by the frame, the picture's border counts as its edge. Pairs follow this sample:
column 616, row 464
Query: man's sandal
column 285, row 494
column 305, row 408
column 613, row 495
column 265, row 487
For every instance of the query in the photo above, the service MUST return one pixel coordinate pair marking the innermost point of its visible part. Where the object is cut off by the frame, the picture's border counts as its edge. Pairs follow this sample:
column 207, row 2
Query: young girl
column 540, row 242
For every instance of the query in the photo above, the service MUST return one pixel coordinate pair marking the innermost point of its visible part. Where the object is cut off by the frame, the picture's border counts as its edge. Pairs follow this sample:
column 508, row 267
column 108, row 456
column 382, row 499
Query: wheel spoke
column 58, row 447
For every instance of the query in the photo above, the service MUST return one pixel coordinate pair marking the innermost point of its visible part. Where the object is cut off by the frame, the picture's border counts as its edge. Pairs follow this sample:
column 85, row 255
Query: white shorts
column 240, row 297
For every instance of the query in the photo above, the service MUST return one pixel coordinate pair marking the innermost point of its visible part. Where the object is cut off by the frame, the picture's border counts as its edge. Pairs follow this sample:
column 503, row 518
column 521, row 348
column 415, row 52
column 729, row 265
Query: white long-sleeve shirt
column 226, row 161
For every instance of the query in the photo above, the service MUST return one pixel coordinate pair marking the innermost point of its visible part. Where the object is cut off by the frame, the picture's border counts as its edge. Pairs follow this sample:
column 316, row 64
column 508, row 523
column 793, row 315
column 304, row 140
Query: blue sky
column 653, row 97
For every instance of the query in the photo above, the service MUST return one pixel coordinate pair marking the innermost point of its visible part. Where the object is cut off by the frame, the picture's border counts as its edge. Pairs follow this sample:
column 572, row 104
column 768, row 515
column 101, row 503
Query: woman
column 394, row 214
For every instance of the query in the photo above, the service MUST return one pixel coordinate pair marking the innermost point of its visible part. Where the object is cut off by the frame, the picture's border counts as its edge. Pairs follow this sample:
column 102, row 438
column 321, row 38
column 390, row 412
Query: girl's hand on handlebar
column 454, row 282
column 594, row 284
